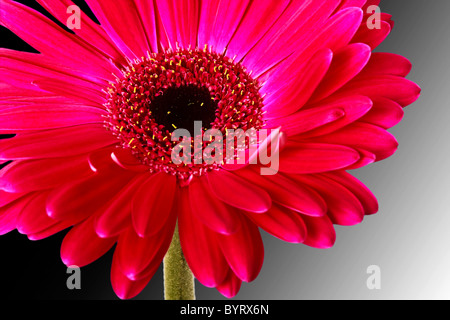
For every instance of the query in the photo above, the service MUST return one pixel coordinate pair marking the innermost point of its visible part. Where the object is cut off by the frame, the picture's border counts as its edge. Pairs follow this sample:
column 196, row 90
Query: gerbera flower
column 94, row 111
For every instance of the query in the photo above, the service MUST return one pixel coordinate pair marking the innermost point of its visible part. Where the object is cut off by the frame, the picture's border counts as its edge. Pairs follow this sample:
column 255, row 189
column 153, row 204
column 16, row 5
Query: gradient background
column 409, row 239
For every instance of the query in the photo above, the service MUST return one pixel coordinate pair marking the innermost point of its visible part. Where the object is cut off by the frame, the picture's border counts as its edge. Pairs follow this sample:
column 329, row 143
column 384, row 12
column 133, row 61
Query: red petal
column 124, row 287
column 210, row 210
column 343, row 206
column 31, row 175
column 56, row 143
column 320, row 232
column 288, row 193
column 362, row 136
column 153, row 203
column 82, row 246
column 365, row 196
column 238, row 192
column 306, row 158
column 231, row 286
column 243, row 251
column 282, row 223
column 81, row 198
column 200, row 247
column 117, row 215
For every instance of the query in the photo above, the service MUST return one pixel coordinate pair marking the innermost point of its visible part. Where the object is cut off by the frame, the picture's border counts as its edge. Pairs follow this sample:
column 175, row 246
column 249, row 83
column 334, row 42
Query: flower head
column 94, row 114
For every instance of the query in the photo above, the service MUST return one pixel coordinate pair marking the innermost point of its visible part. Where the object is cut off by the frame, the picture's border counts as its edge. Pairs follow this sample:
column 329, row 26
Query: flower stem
column 178, row 278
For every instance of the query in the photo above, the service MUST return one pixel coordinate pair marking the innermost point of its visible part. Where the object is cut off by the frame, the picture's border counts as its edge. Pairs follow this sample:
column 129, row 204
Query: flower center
column 175, row 90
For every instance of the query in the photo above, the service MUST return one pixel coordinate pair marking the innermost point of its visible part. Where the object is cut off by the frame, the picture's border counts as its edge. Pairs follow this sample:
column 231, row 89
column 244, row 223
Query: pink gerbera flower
column 93, row 114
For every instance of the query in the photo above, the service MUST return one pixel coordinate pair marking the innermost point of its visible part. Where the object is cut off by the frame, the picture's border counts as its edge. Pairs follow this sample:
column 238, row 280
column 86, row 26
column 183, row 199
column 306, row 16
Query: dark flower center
column 172, row 90
column 181, row 107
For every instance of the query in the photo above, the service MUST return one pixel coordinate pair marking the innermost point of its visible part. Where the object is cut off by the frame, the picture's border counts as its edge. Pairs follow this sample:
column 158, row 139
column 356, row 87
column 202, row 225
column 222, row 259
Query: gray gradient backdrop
column 408, row 239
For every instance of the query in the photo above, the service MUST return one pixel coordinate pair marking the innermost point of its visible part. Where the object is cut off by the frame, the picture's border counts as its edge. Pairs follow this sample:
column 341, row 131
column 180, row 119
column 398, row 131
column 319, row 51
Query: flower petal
column 385, row 113
column 362, row 136
column 82, row 246
column 123, row 286
column 30, row 175
column 152, row 203
column 200, row 247
column 71, row 201
column 180, row 19
column 238, row 193
column 364, row 195
column 282, row 223
column 56, row 143
column 346, row 64
column 62, row 46
column 343, row 206
column 219, row 20
column 288, row 193
column 137, row 256
column 306, row 158
column 117, row 215
column 243, row 251
column 324, row 117
column 230, row 287
column 121, row 21
column 320, row 232
column 210, row 210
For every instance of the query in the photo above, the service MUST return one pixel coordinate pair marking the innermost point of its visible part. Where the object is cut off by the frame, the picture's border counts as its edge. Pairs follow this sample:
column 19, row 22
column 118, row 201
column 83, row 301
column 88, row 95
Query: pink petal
column 147, row 12
column 82, row 246
column 50, row 231
column 117, row 215
column 288, row 193
column 362, row 136
column 231, row 286
column 49, row 39
column 123, row 286
column 282, row 223
column 34, row 218
column 372, row 37
column 385, row 113
column 200, row 247
column 238, row 193
column 125, row 159
column 259, row 18
column 81, row 198
column 325, row 117
column 346, row 64
column 243, row 251
column 10, row 213
column 55, row 143
column 91, row 32
column 31, row 175
column 121, row 21
column 320, row 232
column 364, row 195
column 152, row 203
column 343, row 207
column 8, row 197
column 297, row 91
column 210, row 210
column 219, row 20
column 388, row 64
column 306, row 158
column 293, row 30
column 137, row 256
column 398, row 89
column 180, row 19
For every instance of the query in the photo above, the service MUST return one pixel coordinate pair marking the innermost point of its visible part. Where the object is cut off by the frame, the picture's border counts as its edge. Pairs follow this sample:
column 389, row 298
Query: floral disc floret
column 171, row 90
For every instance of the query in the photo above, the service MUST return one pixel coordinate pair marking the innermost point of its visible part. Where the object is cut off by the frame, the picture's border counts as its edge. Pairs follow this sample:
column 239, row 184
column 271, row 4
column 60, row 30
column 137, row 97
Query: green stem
column 178, row 278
